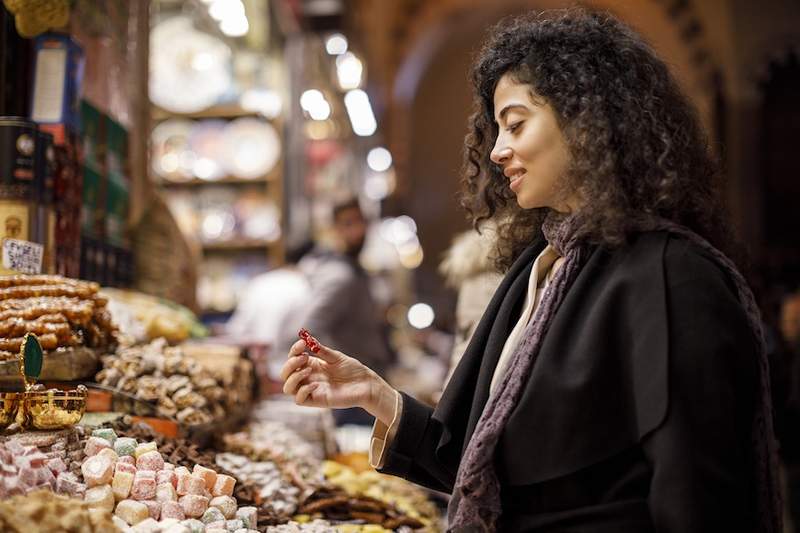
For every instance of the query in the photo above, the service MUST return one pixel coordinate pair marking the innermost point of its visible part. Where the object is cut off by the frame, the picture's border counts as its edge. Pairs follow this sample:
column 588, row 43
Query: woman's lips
column 515, row 183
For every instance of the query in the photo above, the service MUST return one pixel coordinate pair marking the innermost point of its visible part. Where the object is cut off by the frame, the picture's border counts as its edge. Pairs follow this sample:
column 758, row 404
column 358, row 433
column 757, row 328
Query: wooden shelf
column 228, row 180
column 224, row 111
column 237, row 245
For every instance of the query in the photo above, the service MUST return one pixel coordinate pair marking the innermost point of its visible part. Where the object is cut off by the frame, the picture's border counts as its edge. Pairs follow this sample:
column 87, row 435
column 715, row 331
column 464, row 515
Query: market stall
column 171, row 437
column 156, row 156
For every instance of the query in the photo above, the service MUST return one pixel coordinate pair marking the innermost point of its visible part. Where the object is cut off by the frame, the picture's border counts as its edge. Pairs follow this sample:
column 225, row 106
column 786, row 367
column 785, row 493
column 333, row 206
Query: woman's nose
column 500, row 154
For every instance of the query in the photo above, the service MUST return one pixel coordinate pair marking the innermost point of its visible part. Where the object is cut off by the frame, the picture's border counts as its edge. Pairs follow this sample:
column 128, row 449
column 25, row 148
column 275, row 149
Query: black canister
column 18, row 138
column 18, row 185
column 45, row 227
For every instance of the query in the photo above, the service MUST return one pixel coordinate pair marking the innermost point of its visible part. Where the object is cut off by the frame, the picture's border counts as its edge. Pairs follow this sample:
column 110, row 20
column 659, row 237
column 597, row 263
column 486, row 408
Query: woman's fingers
column 297, row 348
column 294, row 363
column 304, row 392
column 293, row 381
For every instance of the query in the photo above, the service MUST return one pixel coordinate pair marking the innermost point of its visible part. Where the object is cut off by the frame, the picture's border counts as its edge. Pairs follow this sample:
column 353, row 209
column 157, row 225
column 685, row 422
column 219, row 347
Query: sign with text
column 22, row 256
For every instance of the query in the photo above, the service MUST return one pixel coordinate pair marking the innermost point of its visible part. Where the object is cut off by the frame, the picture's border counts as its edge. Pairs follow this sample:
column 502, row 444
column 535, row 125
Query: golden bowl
column 9, row 405
column 54, row 409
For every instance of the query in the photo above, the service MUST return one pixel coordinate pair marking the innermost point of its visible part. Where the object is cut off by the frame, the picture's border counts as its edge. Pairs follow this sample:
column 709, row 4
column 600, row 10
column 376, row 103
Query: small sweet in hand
column 310, row 341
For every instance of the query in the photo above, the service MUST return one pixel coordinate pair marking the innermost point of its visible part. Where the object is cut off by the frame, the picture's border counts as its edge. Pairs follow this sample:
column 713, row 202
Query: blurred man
column 341, row 312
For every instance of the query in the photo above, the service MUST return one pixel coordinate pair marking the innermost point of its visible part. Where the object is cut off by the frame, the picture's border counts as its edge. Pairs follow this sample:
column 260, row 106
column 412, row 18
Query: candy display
column 315, row 526
column 44, row 511
column 315, row 428
column 28, row 467
column 144, row 318
column 406, row 497
column 274, row 441
column 336, row 504
column 152, row 489
column 279, row 494
column 155, row 372
column 62, row 312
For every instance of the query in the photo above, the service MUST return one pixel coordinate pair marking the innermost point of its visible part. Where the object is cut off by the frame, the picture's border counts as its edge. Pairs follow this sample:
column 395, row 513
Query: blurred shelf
column 237, row 245
column 218, row 111
column 227, row 180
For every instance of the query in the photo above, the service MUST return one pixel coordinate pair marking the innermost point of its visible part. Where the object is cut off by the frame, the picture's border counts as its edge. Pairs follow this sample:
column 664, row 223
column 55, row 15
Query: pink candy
column 28, row 476
column 144, row 488
column 207, row 474
column 190, row 484
column 94, row 445
column 68, row 484
column 154, row 508
column 165, row 492
column 56, row 465
column 167, row 476
column 124, row 467
column 97, row 470
column 182, row 483
column 150, row 461
column 172, row 510
column 127, row 459
column 224, row 485
column 193, row 505
column 196, row 485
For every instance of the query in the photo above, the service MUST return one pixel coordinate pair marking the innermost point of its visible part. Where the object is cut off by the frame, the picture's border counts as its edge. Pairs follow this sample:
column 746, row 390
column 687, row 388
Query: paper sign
column 22, row 256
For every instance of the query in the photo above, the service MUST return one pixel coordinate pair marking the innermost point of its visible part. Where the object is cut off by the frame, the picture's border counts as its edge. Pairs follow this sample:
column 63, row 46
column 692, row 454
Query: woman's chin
column 528, row 203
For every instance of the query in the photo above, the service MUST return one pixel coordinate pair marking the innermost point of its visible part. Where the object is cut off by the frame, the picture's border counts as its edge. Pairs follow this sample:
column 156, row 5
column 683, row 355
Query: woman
column 617, row 381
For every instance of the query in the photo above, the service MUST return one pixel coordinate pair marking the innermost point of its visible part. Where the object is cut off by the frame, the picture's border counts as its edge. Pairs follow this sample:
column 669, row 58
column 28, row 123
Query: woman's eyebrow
column 509, row 107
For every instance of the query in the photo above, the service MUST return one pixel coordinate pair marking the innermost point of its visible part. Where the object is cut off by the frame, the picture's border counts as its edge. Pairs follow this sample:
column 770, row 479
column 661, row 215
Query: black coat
column 638, row 414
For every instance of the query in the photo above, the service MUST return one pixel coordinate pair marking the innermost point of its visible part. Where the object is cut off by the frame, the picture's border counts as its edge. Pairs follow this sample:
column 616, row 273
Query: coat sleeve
column 701, row 455
column 412, row 453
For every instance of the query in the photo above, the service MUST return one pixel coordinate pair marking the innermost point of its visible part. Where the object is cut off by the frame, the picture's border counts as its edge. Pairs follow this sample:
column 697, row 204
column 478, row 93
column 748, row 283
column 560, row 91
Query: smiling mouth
column 516, row 180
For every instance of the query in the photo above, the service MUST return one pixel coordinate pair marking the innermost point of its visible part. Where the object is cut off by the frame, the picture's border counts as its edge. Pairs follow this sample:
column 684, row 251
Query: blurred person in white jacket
column 467, row 267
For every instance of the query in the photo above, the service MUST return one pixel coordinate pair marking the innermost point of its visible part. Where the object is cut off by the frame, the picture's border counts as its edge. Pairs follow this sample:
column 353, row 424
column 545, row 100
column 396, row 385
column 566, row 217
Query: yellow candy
column 302, row 518
column 59, row 17
column 29, row 25
column 144, row 448
column 373, row 528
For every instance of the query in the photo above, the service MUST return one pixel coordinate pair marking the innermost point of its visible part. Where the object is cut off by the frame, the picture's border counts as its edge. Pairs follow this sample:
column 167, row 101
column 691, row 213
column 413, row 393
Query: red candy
column 310, row 341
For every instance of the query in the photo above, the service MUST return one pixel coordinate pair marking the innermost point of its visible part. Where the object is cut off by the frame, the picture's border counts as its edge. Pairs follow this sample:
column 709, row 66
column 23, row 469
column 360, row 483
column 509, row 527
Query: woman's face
column 530, row 148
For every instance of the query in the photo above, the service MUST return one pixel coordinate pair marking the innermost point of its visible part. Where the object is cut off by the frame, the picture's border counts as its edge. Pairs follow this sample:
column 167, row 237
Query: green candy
column 212, row 514
column 125, row 446
column 106, row 433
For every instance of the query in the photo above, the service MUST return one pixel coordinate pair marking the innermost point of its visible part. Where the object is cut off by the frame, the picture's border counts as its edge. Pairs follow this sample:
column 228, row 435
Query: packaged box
column 57, row 81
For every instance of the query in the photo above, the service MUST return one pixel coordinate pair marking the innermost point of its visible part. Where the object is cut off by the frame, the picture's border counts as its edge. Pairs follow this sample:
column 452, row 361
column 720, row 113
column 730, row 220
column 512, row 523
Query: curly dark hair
column 637, row 148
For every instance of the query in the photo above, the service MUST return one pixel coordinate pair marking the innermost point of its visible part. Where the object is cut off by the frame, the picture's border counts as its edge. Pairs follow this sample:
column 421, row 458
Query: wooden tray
column 64, row 364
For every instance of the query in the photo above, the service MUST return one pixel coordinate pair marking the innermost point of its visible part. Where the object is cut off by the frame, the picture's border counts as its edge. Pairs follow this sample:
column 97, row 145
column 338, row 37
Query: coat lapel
column 464, row 397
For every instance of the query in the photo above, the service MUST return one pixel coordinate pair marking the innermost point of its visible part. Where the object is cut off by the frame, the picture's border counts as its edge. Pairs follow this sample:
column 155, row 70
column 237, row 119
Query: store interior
column 184, row 159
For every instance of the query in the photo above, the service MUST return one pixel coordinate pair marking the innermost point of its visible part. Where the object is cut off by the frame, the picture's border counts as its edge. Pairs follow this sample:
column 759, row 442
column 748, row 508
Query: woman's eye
column 513, row 127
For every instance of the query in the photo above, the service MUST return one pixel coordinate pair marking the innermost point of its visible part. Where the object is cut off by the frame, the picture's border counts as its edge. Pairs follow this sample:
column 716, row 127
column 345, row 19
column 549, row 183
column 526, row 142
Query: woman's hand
column 331, row 379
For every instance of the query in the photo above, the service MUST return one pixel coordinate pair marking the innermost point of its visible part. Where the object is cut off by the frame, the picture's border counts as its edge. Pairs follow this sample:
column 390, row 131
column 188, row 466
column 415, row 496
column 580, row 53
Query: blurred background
column 202, row 144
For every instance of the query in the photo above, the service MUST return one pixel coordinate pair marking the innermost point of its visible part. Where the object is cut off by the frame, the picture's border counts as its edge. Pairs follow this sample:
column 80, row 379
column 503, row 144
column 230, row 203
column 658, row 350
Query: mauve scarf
column 475, row 505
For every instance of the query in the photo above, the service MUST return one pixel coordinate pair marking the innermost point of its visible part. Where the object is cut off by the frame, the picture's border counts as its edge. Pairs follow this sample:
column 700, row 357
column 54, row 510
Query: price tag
column 22, row 256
